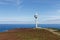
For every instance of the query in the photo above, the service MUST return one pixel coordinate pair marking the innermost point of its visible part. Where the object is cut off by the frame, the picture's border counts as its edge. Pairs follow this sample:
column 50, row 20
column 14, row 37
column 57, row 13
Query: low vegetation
column 28, row 34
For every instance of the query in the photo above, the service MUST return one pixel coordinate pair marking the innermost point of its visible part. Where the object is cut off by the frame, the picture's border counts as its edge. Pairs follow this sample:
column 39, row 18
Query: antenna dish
column 36, row 16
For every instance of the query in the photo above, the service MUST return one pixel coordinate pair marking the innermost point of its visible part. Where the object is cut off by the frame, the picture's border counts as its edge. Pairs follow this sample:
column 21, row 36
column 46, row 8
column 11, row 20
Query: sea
column 4, row 27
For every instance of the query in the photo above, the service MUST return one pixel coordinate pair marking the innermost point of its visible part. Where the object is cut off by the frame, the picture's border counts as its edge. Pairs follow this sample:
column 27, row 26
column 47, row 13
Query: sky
column 22, row 11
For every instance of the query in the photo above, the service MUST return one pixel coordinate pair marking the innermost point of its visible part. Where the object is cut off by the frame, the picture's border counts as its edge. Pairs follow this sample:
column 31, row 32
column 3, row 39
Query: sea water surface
column 4, row 27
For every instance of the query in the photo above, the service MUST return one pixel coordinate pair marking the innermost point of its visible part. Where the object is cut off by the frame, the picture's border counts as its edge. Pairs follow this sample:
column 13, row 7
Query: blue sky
column 22, row 11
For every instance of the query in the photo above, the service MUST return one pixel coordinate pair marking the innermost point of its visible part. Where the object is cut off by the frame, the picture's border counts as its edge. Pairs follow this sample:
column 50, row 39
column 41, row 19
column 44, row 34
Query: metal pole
column 36, row 23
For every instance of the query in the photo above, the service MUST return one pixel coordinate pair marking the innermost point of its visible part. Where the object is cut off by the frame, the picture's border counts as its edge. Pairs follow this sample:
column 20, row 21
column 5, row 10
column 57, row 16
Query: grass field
column 29, row 34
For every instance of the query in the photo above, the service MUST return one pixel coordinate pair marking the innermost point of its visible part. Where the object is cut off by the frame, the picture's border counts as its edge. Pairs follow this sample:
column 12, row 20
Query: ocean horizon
column 4, row 27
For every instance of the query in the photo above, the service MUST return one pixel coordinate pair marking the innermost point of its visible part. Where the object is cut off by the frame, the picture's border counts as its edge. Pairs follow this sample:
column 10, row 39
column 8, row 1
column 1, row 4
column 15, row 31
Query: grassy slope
column 28, row 34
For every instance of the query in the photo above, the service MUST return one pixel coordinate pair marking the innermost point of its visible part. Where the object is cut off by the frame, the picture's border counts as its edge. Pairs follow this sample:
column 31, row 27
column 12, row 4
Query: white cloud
column 12, row 2
column 58, row 11
column 56, row 21
column 6, row 1
column 51, row 20
column 16, row 22
column 25, row 20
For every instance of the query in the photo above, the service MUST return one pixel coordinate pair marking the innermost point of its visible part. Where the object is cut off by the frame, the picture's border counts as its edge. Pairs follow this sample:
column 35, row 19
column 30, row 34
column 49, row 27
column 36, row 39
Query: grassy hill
column 28, row 34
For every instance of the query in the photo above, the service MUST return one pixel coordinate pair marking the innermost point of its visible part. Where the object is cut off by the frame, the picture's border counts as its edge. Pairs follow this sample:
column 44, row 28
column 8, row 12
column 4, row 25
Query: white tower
column 36, row 19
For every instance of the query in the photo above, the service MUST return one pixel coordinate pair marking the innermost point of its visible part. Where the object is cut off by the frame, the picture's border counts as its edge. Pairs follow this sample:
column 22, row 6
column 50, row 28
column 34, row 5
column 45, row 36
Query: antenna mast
column 36, row 19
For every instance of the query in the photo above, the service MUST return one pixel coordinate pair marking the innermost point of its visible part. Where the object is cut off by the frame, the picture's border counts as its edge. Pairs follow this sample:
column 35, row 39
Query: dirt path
column 53, row 31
